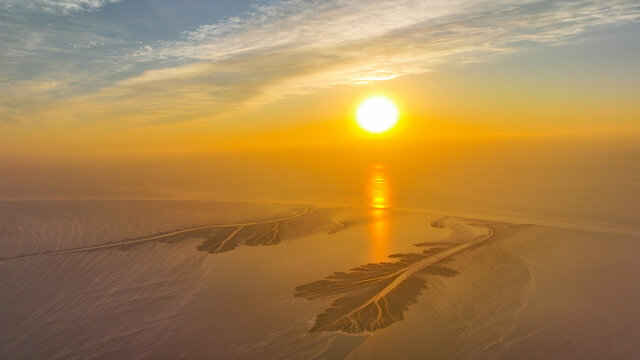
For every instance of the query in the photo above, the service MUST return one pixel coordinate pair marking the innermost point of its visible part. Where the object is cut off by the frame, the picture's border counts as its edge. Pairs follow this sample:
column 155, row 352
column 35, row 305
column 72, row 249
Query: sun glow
column 377, row 114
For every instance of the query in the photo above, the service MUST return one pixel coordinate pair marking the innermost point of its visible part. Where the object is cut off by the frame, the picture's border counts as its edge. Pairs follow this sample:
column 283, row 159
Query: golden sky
column 80, row 77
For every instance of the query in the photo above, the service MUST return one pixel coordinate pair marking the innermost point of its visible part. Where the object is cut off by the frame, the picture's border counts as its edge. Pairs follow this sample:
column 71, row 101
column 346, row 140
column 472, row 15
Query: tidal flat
column 103, row 279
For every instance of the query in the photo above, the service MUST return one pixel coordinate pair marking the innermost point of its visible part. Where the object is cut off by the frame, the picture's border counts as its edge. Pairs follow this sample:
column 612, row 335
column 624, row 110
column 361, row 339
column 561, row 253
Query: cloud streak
column 55, row 6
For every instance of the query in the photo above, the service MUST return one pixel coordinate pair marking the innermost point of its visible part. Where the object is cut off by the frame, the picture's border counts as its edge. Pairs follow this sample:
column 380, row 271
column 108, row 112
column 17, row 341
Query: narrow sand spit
column 219, row 237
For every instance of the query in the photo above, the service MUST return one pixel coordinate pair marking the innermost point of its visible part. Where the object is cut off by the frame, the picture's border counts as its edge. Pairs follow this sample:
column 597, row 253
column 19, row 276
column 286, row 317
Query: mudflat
column 186, row 279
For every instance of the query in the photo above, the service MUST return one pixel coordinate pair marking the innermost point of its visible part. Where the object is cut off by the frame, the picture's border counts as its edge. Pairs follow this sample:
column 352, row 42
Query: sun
column 377, row 114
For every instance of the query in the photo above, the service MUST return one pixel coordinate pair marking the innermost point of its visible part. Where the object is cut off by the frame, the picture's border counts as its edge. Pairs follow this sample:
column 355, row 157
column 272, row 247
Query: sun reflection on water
column 379, row 201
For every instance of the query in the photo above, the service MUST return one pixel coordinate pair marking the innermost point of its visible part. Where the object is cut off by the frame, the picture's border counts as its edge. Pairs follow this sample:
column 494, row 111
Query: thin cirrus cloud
column 55, row 6
column 292, row 47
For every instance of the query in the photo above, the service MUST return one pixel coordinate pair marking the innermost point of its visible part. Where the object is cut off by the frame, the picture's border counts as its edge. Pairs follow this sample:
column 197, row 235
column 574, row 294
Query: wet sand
column 201, row 280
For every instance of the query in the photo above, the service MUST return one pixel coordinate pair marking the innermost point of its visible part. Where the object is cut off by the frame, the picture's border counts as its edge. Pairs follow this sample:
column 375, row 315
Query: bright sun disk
column 377, row 114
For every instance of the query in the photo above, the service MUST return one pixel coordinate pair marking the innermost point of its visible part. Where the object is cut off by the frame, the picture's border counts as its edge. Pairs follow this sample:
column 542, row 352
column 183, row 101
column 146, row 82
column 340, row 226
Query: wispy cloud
column 75, row 52
column 295, row 46
column 55, row 6
column 291, row 47
column 300, row 24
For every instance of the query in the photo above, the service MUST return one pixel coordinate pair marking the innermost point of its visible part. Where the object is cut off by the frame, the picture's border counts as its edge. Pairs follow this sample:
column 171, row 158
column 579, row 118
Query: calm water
column 578, row 181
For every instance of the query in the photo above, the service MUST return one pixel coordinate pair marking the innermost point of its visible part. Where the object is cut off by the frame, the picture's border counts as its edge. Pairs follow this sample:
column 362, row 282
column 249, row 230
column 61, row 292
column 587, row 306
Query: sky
column 124, row 76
